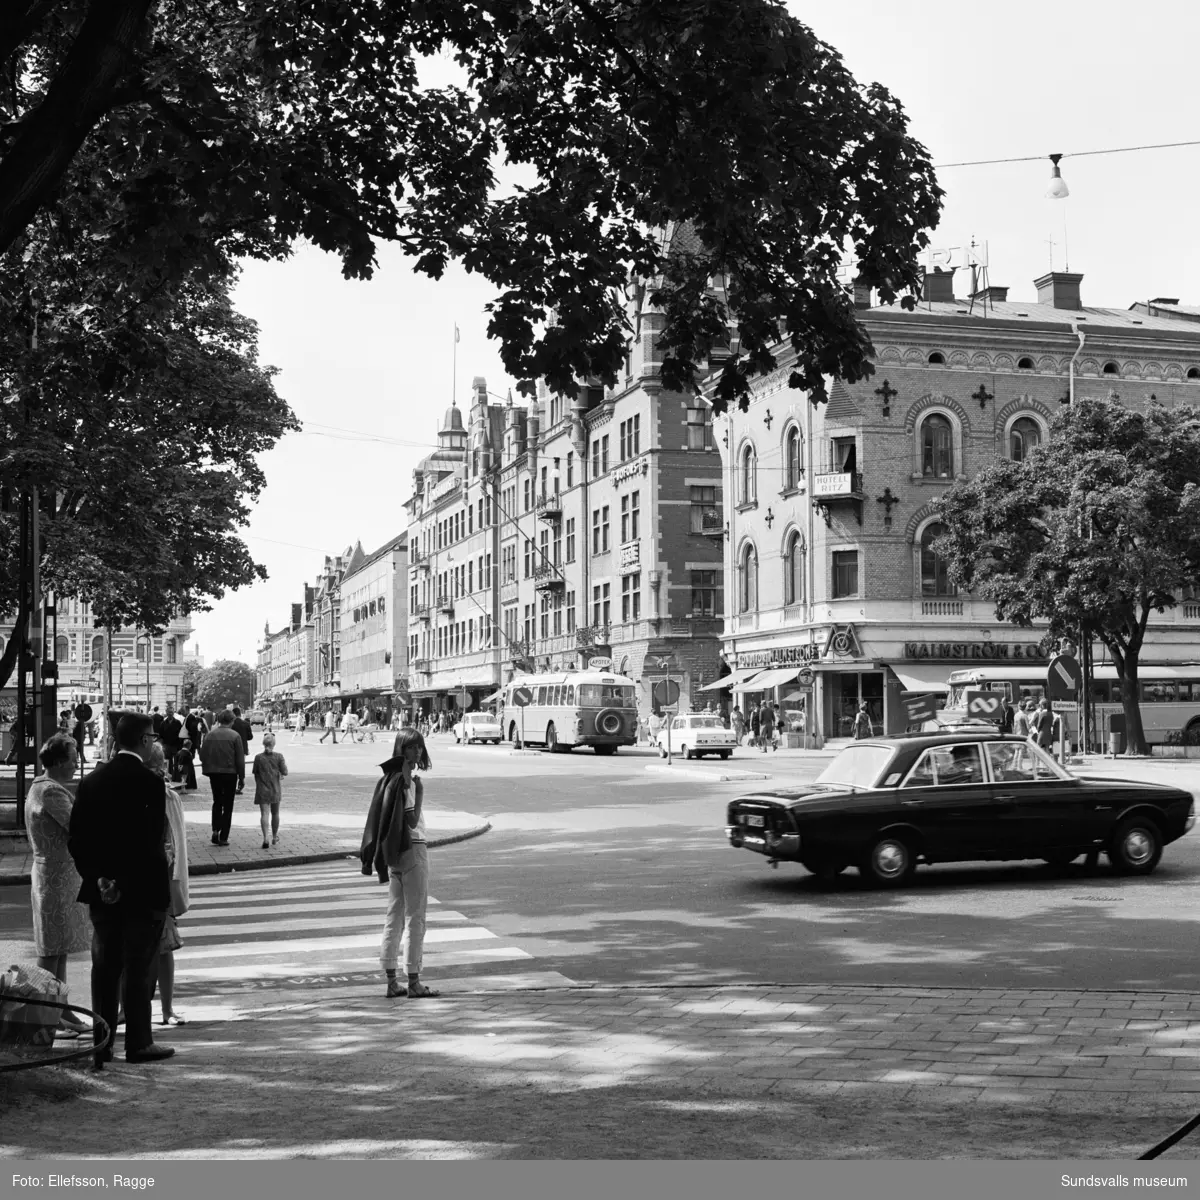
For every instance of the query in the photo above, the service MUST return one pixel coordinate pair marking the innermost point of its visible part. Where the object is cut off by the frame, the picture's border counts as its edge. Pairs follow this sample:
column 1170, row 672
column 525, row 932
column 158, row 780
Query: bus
column 1169, row 696
column 572, row 708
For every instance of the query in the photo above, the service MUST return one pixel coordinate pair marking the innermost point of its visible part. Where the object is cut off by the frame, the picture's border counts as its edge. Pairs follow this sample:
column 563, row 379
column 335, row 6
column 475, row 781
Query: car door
column 947, row 797
column 1047, row 814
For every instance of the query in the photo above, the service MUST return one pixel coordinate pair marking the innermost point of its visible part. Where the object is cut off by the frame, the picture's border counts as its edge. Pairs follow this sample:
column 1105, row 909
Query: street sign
column 83, row 712
column 120, row 653
column 599, row 663
column 805, row 676
column 403, row 698
column 1064, row 678
column 463, row 697
column 985, row 706
column 666, row 692
column 919, row 706
column 522, row 696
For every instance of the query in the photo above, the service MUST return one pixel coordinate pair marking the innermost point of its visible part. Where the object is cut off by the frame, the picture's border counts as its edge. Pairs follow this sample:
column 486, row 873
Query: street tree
column 578, row 134
column 225, row 683
column 1098, row 528
column 189, row 682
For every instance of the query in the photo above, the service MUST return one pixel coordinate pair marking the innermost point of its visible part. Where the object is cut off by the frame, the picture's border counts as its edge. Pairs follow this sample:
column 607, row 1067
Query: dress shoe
column 216, row 841
column 151, row 1053
column 102, row 1057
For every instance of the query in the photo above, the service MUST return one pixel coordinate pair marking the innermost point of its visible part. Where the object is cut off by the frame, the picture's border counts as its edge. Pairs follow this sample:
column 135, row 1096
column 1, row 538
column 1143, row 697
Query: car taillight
column 1191, row 817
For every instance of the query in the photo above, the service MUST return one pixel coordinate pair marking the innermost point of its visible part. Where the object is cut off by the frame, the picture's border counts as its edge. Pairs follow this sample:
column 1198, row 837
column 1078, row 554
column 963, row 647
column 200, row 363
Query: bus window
column 540, row 698
column 606, row 695
column 1190, row 690
column 1104, row 691
column 557, row 690
column 1158, row 691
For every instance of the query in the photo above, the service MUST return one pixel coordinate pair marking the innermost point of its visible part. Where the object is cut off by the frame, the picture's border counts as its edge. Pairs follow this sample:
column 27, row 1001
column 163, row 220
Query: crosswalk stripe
column 433, row 937
column 288, row 970
column 372, row 907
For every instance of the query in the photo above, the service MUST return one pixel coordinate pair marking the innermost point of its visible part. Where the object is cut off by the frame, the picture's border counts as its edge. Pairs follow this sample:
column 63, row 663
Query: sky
column 371, row 367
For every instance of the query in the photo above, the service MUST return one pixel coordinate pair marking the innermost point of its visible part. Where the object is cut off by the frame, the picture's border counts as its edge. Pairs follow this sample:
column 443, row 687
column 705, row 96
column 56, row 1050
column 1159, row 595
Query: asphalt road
column 606, row 871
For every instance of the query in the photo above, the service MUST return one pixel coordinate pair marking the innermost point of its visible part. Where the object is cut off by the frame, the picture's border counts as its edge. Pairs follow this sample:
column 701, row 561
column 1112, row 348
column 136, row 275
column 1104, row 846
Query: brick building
column 544, row 535
column 829, row 511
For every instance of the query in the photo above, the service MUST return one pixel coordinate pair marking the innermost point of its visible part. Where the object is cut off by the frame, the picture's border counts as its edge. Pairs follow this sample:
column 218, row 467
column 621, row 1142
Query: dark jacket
column 222, row 753
column 171, row 733
column 116, row 832
column 383, row 833
column 242, row 728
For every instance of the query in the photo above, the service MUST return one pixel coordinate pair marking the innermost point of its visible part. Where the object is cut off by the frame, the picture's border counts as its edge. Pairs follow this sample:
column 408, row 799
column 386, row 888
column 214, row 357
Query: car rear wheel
column 685, row 752
column 724, row 754
column 662, row 750
column 1136, row 847
column 514, row 736
column 888, row 862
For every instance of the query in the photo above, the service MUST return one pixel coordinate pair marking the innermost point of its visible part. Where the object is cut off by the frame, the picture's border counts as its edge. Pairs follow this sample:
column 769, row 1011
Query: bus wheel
column 514, row 736
column 552, row 739
column 605, row 749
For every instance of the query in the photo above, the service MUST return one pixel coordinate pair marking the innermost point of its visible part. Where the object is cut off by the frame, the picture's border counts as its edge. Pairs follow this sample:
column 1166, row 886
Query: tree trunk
column 1135, row 736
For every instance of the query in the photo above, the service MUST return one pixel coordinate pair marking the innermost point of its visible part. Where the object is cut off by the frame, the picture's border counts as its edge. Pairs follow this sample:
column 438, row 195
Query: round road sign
column 83, row 712
column 522, row 696
column 463, row 697
column 666, row 692
column 805, row 676
column 1064, row 678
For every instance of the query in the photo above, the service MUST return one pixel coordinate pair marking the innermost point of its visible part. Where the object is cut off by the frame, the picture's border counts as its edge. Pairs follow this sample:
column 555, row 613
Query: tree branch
column 15, row 27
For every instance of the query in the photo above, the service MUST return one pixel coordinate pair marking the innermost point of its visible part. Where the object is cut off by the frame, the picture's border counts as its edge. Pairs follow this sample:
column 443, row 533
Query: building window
column 140, row 650
column 570, row 612
column 543, row 548
column 748, row 476
column 793, row 570
column 570, row 468
column 1025, row 363
column 700, row 428
column 706, row 594
column 545, row 616
column 936, row 359
column 748, row 580
column 845, row 573
column 706, row 509
column 935, row 579
column 558, row 600
column 172, row 650
column 631, row 517
column 98, row 648
column 631, row 438
column 62, row 649
column 529, row 620
column 528, row 558
column 1024, row 435
column 600, row 530
column 631, row 597
column 937, row 447
column 600, row 604
column 570, row 539
column 793, row 459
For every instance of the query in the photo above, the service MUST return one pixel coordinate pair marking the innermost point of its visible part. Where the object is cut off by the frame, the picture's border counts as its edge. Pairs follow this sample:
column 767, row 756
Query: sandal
column 418, row 991
column 66, row 1033
column 173, row 1019
column 395, row 989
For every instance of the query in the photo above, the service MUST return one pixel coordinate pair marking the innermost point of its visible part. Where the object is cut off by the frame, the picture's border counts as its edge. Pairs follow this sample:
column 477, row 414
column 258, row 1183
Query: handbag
column 24, row 1019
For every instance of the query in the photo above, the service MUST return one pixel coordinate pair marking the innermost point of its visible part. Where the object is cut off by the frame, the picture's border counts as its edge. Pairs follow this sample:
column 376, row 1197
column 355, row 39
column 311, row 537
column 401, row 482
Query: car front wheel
column 888, row 862
column 1136, row 847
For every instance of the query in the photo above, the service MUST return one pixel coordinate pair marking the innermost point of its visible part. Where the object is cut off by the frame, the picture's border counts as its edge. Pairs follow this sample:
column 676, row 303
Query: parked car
column 477, row 727
column 884, row 805
column 695, row 734
column 256, row 716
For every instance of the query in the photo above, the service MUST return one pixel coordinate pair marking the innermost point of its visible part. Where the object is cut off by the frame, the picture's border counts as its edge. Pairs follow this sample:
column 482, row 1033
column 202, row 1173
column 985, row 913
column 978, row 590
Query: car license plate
column 757, row 822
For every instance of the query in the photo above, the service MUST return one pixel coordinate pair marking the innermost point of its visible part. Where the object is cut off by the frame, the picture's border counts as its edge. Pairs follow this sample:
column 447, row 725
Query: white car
column 477, row 727
column 696, row 734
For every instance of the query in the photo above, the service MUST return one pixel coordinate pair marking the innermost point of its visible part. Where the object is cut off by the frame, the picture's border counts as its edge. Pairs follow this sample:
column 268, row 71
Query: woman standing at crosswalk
column 394, row 846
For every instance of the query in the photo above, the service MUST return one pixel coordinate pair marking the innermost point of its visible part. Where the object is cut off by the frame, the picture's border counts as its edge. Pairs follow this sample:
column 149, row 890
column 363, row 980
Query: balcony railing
column 593, row 635
column 422, row 666
column 1191, row 610
column 520, row 650
column 418, row 557
column 941, row 608
column 547, row 579
column 445, row 604
column 549, row 507
column 419, row 612
column 708, row 521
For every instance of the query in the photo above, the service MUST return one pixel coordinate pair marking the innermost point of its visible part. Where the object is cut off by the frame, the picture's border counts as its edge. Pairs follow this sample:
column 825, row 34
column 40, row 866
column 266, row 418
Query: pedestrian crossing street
column 321, row 926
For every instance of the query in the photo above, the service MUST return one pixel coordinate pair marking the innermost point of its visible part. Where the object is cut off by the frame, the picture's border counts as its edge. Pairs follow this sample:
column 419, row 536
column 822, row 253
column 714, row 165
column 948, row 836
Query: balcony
column 549, row 507
column 833, row 487
column 941, row 608
column 417, row 558
column 709, row 522
column 592, row 635
column 419, row 612
column 445, row 604
column 520, row 651
column 421, row 666
column 548, row 579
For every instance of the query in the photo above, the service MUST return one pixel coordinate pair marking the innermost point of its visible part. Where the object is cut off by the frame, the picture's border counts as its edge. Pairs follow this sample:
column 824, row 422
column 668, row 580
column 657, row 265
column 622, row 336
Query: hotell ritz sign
column 1030, row 652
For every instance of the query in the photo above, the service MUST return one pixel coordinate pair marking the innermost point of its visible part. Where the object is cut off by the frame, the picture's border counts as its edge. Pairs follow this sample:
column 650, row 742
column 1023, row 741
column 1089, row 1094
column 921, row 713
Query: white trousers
column 404, row 926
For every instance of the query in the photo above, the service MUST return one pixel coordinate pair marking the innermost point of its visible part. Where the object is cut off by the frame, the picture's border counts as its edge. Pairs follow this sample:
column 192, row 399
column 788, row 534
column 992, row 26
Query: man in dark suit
column 116, row 839
column 170, row 733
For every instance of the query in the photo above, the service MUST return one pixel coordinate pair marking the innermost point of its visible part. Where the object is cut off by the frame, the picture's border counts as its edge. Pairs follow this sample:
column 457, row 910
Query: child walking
column 269, row 770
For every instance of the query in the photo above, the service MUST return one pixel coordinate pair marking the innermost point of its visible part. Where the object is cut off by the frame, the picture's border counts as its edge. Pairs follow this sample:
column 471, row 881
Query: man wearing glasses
column 116, row 840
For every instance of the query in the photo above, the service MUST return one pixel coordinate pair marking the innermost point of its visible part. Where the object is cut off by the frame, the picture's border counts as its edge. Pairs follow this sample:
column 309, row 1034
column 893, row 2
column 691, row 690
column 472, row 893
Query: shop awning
column 922, row 677
column 766, row 680
column 730, row 680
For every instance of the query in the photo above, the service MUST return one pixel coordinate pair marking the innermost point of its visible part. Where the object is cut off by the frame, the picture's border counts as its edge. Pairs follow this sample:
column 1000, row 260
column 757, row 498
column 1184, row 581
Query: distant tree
column 226, row 682
column 1095, row 530
column 196, row 128
column 189, row 683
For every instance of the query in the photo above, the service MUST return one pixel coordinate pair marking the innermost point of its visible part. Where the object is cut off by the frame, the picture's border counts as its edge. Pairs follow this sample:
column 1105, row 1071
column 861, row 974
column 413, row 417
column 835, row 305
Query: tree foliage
column 225, row 683
column 215, row 129
column 189, row 682
column 1095, row 530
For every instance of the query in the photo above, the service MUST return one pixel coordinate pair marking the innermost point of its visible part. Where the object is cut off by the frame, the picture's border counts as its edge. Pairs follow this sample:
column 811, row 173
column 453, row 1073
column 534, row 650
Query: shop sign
column 780, row 656
column 991, row 651
column 639, row 466
column 631, row 555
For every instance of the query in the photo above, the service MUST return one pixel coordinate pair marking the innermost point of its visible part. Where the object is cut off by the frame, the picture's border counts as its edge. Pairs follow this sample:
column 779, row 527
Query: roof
column 842, row 406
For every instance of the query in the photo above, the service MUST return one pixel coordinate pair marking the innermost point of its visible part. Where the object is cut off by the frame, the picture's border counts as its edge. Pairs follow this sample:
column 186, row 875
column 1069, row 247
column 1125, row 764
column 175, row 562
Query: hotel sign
column 639, row 466
column 631, row 556
column 833, row 485
column 979, row 651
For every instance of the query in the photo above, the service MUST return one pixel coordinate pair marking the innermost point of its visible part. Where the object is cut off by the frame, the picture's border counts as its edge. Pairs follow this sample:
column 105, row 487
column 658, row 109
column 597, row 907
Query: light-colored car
column 256, row 716
column 477, row 727
column 695, row 734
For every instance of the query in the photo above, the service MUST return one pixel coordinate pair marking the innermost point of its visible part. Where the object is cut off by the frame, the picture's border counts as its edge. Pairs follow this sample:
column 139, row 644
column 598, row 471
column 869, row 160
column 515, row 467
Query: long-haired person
column 394, row 846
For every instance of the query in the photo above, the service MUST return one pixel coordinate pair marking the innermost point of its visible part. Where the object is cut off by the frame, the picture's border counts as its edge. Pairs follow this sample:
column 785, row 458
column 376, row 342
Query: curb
column 694, row 773
column 292, row 860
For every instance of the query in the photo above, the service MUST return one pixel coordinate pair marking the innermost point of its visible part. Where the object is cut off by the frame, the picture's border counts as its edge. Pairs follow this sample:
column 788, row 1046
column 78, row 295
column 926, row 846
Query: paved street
column 648, row 991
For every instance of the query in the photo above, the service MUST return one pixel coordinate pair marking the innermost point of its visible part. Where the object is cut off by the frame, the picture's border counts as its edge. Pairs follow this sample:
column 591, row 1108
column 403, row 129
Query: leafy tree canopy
column 214, row 129
column 1096, row 529
column 226, row 682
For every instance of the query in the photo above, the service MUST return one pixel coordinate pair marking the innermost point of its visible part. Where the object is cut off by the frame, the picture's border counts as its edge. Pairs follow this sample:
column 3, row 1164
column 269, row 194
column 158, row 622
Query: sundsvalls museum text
column 135, row 1183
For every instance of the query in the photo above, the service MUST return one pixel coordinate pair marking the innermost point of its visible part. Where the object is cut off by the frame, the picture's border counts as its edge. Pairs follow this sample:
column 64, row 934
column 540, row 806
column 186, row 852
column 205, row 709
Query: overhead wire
column 987, row 162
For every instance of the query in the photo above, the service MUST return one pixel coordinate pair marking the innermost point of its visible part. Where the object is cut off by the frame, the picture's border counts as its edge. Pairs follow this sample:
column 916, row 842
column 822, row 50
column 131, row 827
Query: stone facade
column 374, row 626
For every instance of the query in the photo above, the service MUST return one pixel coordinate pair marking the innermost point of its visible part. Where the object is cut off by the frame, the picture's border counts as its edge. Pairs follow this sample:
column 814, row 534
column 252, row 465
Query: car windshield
column 705, row 723
column 606, row 695
column 857, row 766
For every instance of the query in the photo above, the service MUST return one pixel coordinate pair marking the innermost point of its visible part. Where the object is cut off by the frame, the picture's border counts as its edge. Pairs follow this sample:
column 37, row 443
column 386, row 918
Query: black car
column 886, row 804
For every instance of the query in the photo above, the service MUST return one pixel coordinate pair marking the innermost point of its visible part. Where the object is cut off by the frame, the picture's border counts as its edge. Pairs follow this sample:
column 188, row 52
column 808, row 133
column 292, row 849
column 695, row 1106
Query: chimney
column 862, row 293
column 991, row 295
column 1060, row 289
column 939, row 286
column 297, row 609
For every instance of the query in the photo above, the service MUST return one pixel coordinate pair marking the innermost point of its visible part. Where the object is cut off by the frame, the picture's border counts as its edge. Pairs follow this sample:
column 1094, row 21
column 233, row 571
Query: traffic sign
column 985, row 706
column 522, row 696
column 120, row 653
column 1064, row 678
column 666, row 692
column 805, row 675
column 83, row 712
column 919, row 707
column 463, row 697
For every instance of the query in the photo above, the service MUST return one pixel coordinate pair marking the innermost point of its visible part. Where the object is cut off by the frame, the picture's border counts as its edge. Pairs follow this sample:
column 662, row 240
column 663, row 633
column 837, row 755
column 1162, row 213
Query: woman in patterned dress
column 60, row 924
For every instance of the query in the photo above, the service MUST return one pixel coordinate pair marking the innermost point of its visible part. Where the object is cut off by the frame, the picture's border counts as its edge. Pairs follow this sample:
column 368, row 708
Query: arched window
column 98, row 648
column 934, row 578
column 936, row 359
column 1025, row 364
column 1193, row 373
column 749, row 475
column 748, row 580
column 793, row 459
column 141, row 651
column 793, row 570
column 62, row 649
column 1024, row 435
column 937, row 447
column 1111, row 368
